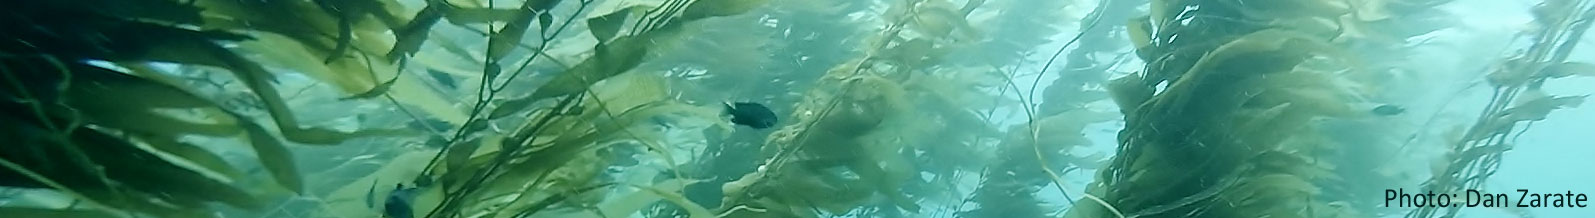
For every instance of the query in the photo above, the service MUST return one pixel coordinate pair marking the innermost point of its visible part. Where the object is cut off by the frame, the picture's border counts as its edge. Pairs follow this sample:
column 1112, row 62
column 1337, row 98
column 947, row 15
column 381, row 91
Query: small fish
column 443, row 78
column 750, row 114
column 429, row 124
column 371, row 195
column 398, row 203
column 1388, row 110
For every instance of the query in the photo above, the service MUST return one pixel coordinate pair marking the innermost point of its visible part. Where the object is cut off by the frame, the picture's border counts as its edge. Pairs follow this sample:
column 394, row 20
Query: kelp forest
column 791, row 108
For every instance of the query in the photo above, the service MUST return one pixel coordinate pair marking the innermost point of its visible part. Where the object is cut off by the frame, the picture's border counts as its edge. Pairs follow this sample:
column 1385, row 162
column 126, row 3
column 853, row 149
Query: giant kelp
column 743, row 59
column 1516, row 102
column 853, row 137
column 81, row 91
column 1379, row 32
column 1083, row 69
column 85, row 94
column 1220, row 122
column 1010, row 183
column 550, row 156
column 609, row 108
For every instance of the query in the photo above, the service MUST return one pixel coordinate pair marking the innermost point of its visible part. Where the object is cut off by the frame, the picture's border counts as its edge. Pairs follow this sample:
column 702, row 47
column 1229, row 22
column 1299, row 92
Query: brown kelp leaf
column 511, row 106
column 940, row 21
column 541, row 5
column 505, row 39
column 1508, row 74
column 354, row 77
column 120, row 114
column 1480, row 151
column 375, row 91
column 453, row 47
column 545, row 21
column 1569, row 69
column 342, row 13
column 604, row 27
column 1140, row 34
column 308, row 22
column 693, row 209
column 608, row 60
column 1129, row 92
column 347, row 199
column 1284, row 182
column 139, row 169
column 550, row 155
column 275, row 157
column 410, row 36
column 1272, row 44
column 251, row 74
column 1291, row 9
column 162, row 10
column 716, row 8
column 472, row 15
column 94, row 84
column 913, row 52
column 1537, row 109
column 624, row 92
column 460, row 153
column 144, row 169
column 303, row 21
column 127, row 103
column 199, row 156
column 324, row 136
column 260, row 81
column 629, row 203
column 46, row 212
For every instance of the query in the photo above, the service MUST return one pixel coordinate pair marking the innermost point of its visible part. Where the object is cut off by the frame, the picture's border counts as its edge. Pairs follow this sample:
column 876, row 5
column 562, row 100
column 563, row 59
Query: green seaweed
column 609, row 108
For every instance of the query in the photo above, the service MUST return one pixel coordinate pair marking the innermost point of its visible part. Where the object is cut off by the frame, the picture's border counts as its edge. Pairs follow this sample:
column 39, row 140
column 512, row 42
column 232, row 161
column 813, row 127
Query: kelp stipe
column 88, row 101
column 1060, row 118
column 1219, row 123
column 1516, row 101
column 551, row 157
column 854, row 135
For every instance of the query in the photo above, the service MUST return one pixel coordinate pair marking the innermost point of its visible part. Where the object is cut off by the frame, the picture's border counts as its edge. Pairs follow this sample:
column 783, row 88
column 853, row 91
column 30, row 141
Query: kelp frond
column 1232, row 133
column 80, row 91
column 1516, row 102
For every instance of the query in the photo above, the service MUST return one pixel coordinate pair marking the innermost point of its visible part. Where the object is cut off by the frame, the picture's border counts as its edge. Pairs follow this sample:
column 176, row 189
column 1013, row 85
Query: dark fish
column 443, row 78
column 398, row 203
column 431, row 125
column 371, row 195
column 750, row 114
column 1388, row 110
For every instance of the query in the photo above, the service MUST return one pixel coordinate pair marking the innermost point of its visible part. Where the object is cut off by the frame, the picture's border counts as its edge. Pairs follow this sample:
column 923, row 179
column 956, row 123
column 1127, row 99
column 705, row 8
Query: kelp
column 115, row 145
column 1010, row 183
column 1082, row 69
column 566, row 93
column 554, row 150
column 768, row 62
column 1390, row 75
column 104, row 121
column 1517, row 101
column 1056, row 120
column 45, row 212
column 82, row 75
column 1231, row 133
column 855, row 134
column 323, row 30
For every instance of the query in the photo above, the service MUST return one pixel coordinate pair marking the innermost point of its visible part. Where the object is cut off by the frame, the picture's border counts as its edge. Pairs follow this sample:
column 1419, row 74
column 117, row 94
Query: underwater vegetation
column 751, row 108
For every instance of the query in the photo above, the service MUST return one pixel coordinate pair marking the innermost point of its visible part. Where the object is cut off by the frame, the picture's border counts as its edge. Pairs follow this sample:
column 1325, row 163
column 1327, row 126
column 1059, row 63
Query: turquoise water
column 882, row 108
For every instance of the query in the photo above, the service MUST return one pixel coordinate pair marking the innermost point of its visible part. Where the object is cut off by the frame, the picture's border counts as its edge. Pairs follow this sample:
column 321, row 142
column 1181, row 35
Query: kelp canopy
column 613, row 108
